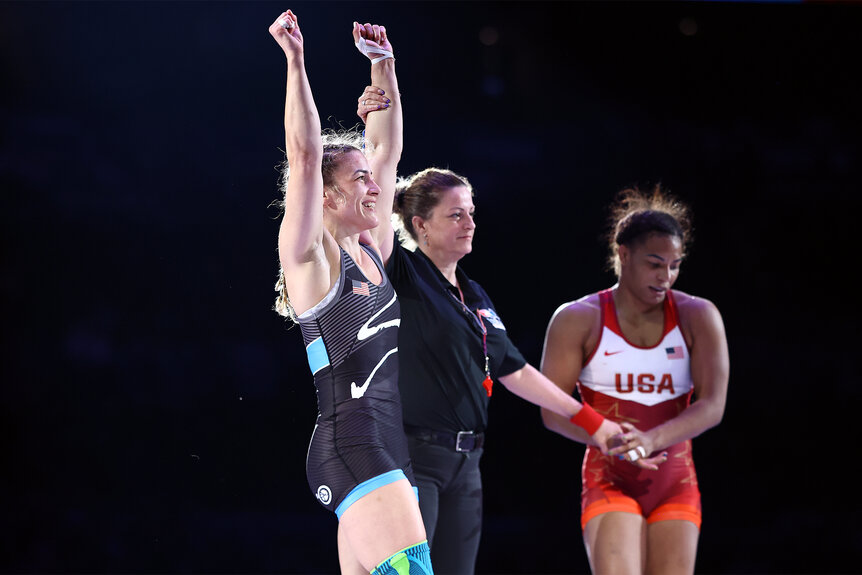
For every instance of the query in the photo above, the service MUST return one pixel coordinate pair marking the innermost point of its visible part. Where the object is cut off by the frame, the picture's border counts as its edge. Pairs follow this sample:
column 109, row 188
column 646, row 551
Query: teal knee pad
column 415, row 560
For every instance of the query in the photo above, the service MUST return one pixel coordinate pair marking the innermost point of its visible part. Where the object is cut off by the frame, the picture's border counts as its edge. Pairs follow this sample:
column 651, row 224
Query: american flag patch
column 360, row 288
column 675, row 352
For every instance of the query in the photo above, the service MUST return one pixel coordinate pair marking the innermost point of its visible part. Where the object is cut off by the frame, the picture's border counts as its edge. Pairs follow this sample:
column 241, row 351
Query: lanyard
column 488, row 383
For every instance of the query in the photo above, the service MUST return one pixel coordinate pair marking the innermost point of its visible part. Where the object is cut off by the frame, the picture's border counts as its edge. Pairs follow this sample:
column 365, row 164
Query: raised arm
column 301, row 235
column 383, row 125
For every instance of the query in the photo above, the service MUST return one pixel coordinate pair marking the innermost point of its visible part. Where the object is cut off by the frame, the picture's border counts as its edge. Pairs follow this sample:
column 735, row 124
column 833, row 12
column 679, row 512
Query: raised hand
column 286, row 32
column 371, row 40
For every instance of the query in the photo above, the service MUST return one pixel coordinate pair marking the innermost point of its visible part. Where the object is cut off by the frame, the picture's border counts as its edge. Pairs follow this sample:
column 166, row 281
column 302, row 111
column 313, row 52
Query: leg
column 415, row 560
column 433, row 468
column 428, row 505
column 347, row 560
column 671, row 547
column 381, row 523
column 615, row 543
column 459, row 519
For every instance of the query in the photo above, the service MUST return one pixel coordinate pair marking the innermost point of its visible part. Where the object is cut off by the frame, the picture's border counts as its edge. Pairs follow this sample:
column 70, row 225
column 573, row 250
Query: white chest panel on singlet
column 647, row 376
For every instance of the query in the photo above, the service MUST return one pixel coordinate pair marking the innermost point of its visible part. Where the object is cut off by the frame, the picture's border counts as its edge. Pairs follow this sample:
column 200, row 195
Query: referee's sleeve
column 512, row 361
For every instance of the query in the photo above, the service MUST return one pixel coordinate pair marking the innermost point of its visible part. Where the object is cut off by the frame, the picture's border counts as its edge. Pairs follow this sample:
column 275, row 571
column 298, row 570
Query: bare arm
column 572, row 334
column 383, row 130
column 528, row 383
column 301, row 235
column 710, row 372
column 562, row 359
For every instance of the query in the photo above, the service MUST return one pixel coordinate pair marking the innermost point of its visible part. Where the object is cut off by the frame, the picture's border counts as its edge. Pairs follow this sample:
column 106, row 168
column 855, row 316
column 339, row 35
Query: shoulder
column 693, row 306
column 308, row 282
column 576, row 317
column 586, row 307
column 696, row 313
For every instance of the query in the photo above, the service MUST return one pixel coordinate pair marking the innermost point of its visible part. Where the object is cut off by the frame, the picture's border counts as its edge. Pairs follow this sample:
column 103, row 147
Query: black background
column 156, row 412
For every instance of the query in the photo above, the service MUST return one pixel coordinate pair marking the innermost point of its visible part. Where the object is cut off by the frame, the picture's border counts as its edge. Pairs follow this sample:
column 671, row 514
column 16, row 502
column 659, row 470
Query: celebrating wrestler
column 453, row 345
column 637, row 352
column 334, row 286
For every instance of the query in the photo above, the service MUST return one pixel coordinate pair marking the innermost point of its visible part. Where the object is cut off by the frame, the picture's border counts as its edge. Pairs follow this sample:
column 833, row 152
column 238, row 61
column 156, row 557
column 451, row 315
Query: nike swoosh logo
column 366, row 330
column 357, row 391
column 613, row 352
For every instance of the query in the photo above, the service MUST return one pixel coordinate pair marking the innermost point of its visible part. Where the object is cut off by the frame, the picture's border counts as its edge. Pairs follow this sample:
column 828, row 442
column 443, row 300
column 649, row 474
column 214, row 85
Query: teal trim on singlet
column 370, row 485
column 317, row 356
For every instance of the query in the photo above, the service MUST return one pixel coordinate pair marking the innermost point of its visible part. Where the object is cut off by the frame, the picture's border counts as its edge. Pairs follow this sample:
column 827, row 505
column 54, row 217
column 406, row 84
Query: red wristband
column 587, row 418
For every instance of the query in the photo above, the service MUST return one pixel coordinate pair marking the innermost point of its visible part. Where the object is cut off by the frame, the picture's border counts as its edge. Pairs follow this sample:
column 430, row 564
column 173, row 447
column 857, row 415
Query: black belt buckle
column 468, row 437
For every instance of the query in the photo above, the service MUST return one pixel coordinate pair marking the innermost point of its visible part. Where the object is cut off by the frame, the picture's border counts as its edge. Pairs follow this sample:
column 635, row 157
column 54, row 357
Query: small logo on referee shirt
column 324, row 494
column 492, row 316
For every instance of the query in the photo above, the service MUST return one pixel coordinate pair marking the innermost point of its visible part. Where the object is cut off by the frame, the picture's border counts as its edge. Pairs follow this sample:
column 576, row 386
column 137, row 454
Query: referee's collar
column 466, row 282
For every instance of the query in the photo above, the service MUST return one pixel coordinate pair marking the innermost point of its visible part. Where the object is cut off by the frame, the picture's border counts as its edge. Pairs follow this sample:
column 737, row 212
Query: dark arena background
column 155, row 412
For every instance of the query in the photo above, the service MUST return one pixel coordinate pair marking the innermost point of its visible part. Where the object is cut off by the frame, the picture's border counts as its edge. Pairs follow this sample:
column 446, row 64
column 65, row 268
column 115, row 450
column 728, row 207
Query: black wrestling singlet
column 351, row 338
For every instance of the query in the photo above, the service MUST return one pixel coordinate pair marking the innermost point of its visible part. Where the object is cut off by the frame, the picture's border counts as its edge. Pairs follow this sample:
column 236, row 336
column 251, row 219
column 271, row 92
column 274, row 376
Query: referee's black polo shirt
column 440, row 354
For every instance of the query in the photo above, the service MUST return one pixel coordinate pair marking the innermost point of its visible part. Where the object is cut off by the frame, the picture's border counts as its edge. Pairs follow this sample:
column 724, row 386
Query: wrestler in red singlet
column 655, row 361
column 644, row 386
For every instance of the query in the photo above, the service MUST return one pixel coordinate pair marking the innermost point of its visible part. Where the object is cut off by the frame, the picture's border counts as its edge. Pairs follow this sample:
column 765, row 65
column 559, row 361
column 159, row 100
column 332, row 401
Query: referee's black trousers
column 450, row 499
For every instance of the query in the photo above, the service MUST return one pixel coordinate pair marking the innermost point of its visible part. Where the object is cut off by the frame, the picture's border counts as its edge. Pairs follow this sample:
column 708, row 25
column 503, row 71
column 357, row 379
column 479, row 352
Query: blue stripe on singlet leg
column 317, row 356
column 368, row 486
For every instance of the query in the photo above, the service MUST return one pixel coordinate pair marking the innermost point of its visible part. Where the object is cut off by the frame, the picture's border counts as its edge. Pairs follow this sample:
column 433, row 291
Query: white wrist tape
column 363, row 47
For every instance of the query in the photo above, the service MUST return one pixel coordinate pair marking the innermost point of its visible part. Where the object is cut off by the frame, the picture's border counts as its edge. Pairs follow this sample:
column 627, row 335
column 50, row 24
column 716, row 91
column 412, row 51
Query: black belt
column 461, row 441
